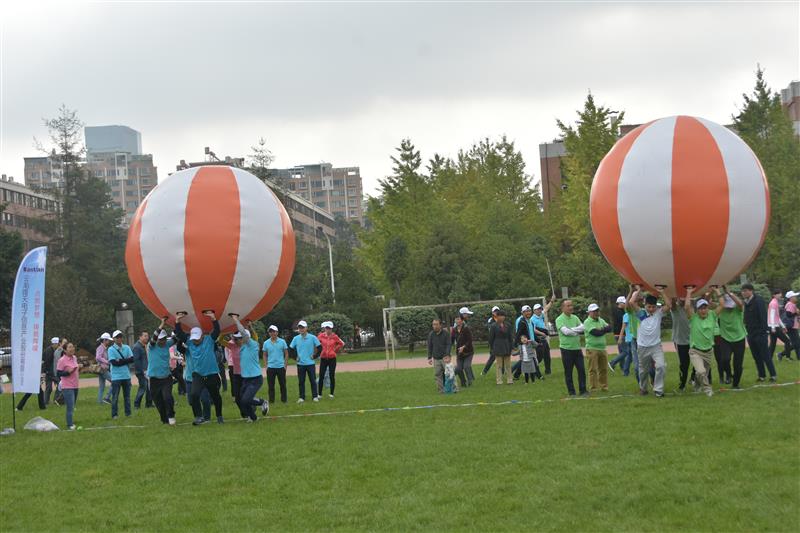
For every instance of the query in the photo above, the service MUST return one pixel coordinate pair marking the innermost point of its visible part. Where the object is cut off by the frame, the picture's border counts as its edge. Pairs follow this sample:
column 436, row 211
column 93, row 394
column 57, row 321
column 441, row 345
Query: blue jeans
column 69, row 399
column 125, row 385
column 623, row 359
column 302, row 372
column 143, row 391
column 247, row 396
column 101, row 384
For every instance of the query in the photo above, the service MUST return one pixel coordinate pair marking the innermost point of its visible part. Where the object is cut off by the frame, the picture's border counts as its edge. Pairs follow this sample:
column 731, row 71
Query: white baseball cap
column 302, row 324
column 495, row 308
column 236, row 335
column 162, row 335
column 593, row 307
column 327, row 324
column 526, row 308
column 465, row 311
column 117, row 333
column 54, row 340
column 273, row 327
column 537, row 306
column 195, row 334
column 701, row 302
column 792, row 294
column 621, row 299
column 105, row 337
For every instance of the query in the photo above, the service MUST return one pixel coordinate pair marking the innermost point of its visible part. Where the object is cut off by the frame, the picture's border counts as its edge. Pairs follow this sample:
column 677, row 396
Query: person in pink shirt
column 331, row 345
column 68, row 370
column 792, row 323
column 101, row 357
column 777, row 330
column 234, row 366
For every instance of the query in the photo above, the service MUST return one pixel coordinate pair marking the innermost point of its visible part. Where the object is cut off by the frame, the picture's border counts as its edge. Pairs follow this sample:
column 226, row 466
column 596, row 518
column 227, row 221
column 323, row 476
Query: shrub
column 411, row 325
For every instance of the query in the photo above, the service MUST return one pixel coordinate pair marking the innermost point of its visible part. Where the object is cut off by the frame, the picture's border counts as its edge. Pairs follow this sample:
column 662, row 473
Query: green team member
column 701, row 340
column 594, row 331
column 633, row 327
column 569, row 329
column 731, row 329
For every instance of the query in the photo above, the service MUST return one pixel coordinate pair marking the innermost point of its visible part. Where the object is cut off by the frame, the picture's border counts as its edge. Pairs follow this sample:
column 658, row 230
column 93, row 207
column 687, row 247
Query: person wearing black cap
column 755, row 322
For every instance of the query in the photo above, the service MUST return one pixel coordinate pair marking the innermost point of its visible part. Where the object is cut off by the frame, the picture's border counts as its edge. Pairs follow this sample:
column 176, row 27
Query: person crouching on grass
column 160, row 374
column 439, row 343
column 701, row 340
column 67, row 369
column 595, row 329
column 501, row 342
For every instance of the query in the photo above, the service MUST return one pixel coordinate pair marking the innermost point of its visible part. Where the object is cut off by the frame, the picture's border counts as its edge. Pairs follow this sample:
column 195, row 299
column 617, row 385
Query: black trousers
column 24, row 400
column 161, row 392
column 723, row 358
column 177, row 375
column 779, row 333
column 488, row 365
column 302, row 372
column 573, row 359
column 280, row 373
column 209, row 383
column 230, row 378
column 236, row 387
column 247, row 398
column 737, row 349
column 543, row 354
column 683, row 363
column 330, row 366
column 222, row 376
column 759, row 348
column 795, row 343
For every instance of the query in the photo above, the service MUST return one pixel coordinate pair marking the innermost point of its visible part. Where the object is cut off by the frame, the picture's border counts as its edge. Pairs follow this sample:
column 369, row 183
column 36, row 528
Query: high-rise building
column 339, row 191
column 790, row 98
column 23, row 207
column 113, row 139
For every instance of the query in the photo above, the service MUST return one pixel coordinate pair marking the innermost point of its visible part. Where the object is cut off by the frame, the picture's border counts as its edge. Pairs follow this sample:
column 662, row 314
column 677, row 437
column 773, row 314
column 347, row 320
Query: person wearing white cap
column 331, row 345
column 101, row 357
column 205, row 372
column 160, row 375
column 595, row 330
column 120, row 356
column 489, row 323
column 730, row 314
column 702, row 323
column 623, row 348
column 648, row 338
column 525, row 338
column 308, row 349
column 252, row 379
column 465, row 351
column 777, row 329
column 792, row 323
column 542, row 332
column 277, row 354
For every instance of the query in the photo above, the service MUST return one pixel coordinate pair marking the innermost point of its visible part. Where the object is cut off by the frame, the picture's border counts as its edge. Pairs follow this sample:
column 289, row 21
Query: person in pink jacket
column 331, row 345
column 101, row 357
column 67, row 369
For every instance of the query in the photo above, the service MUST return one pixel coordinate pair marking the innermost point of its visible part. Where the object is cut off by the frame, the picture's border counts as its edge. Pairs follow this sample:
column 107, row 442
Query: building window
column 130, row 192
column 144, row 171
column 337, row 193
column 338, row 183
column 354, row 213
column 352, row 202
column 352, row 173
column 316, row 183
column 115, row 194
column 132, row 204
column 145, row 181
column 291, row 186
column 318, row 194
column 130, row 183
column 302, row 185
column 337, row 203
column 321, row 204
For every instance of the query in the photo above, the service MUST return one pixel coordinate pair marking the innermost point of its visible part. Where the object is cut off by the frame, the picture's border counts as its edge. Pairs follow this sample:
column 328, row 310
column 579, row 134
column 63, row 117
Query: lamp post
column 124, row 317
column 330, row 260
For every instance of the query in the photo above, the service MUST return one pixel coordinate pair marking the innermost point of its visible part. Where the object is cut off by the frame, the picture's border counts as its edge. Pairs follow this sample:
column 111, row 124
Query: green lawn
column 681, row 463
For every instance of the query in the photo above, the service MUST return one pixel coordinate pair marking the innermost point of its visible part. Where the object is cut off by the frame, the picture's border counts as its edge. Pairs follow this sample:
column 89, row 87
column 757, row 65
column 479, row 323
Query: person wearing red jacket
column 331, row 345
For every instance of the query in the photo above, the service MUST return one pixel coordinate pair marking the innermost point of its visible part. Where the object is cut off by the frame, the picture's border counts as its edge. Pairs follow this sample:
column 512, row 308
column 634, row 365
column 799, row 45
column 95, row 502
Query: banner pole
column 13, row 410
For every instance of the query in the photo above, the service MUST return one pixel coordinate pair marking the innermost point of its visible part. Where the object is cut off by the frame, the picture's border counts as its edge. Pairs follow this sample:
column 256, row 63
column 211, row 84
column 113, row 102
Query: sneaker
column 199, row 421
column 611, row 368
column 300, row 400
column 728, row 381
column 709, row 393
column 330, row 396
column 72, row 427
column 17, row 409
column 107, row 401
column 220, row 420
column 773, row 379
column 264, row 408
column 316, row 398
column 171, row 421
column 56, row 402
column 585, row 394
column 659, row 394
column 114, row 417
column 760, row 380
column 248, row 420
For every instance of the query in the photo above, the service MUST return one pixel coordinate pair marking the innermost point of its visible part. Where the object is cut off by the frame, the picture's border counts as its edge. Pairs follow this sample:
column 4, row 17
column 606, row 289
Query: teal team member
column 252, row 380
column 277, row 353
column 205, row 371
column 569, row 329
column 120, row 356
column 308, row 348
column 731, row 329
column 701, row 340
column 160, row 374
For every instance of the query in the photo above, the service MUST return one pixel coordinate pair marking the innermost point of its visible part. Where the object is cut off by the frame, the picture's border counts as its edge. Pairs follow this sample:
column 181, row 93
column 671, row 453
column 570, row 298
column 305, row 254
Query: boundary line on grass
column 472, row 404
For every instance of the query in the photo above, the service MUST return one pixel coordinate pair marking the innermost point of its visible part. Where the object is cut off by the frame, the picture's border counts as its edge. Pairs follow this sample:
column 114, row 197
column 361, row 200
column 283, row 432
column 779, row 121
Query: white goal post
column 388, row 330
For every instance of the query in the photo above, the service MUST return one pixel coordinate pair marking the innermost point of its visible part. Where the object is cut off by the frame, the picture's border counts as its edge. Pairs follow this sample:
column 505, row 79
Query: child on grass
column 450, row 386
column 527, row 355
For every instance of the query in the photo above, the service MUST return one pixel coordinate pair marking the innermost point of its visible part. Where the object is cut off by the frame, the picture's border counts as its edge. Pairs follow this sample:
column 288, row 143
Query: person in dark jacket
column 755, row 322
column 501, row 342
column 490, row 361
column 462, row 338
column 438, row 347
column 48, row 366
column 140, row 367
column 526, row 334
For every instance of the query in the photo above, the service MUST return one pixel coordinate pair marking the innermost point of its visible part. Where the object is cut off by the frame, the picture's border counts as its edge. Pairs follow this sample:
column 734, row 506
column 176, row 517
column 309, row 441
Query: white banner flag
column 27, row 322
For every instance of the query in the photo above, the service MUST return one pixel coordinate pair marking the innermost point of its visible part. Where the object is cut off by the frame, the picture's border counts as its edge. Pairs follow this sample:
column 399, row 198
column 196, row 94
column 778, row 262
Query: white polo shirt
column 649, row 333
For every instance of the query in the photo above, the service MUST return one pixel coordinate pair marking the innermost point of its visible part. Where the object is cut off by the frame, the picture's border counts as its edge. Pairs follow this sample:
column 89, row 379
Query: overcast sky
column 345, row 82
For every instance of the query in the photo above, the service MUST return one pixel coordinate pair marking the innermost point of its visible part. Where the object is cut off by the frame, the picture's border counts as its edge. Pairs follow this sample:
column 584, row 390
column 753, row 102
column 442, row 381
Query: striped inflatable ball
column 680, row 201
column 211, row 237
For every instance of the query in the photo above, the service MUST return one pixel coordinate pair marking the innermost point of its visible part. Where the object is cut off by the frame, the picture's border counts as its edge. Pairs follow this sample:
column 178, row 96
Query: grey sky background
column 345, row 82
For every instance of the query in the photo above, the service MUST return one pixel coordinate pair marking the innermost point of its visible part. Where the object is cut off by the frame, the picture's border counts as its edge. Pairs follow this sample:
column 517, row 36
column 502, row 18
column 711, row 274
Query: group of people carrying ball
column 716, row 325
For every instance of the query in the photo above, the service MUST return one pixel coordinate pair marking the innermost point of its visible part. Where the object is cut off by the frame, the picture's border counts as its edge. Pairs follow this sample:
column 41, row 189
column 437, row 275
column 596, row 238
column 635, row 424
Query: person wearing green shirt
column 701, row 340
column 731, row 331
column 569, row 329
column 594, row 330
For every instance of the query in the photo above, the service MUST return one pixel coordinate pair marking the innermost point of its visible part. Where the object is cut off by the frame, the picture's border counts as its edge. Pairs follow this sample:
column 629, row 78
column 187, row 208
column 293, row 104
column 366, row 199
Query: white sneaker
column 72, row 427
column 264, row 408
column 300, row 400
column 709, row 393
column 171, row 421
column 316, row 398
column 330, row 396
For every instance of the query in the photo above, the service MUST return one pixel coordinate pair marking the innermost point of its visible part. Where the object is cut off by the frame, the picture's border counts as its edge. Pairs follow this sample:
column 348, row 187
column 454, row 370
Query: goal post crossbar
column 388, row 329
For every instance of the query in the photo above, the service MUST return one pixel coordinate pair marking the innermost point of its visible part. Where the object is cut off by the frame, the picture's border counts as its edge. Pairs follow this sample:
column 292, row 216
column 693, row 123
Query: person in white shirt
column 649, row 340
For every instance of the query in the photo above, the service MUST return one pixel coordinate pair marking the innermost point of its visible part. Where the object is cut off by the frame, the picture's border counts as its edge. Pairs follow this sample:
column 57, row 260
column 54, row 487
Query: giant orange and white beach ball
column 211, row 237
column 680, row 201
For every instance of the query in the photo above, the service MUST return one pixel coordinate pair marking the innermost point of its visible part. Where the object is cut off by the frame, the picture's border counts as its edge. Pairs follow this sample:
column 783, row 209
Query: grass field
column 681, row 463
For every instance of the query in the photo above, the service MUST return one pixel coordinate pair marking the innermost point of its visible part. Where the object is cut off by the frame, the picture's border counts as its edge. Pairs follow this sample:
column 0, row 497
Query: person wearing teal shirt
column 205, row 371
column 569, row 329
column 702, row 322
column 252, row 380
column 308, row 348
column 595, row 329
column 277, row 354
column 120, row 356
column 731, row 330
column 158, row 372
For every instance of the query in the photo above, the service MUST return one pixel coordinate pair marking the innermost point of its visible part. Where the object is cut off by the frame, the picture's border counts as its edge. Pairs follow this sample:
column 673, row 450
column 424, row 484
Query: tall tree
column 260, row 158
column 765, row 126
column 11, row 248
